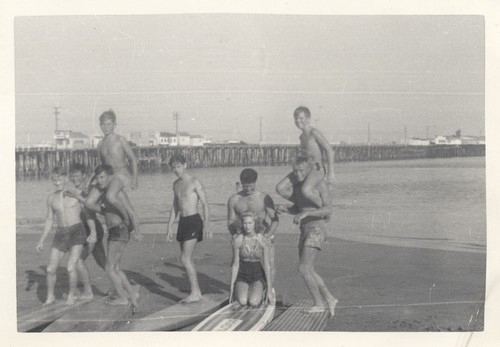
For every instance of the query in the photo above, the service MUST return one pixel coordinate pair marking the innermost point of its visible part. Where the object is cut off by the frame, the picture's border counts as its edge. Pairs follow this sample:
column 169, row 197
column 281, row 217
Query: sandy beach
column 379, row 287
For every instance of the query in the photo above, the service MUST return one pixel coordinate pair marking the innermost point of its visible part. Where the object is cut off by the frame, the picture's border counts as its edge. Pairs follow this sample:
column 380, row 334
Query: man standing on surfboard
column 188, row 191
column 118, row 236
column 69, row 238
column 312, row 223
column 249, row 199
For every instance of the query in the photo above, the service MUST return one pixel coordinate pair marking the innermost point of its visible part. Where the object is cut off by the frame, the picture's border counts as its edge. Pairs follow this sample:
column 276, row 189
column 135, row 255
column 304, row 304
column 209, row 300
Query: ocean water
column 430, row 203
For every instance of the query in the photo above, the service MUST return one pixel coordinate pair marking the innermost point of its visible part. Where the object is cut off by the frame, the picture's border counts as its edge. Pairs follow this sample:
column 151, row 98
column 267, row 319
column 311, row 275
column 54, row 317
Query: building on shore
column 447, row 140
column 163, row 138
column 456, row 139
column 94, row 141
column 197, row 140
column 184, row 138
column 67, row 139
column 415, row 141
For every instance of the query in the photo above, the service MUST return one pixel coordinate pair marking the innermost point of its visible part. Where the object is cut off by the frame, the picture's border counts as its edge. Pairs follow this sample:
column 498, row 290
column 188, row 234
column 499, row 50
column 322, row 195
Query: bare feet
column 134, row 298
column 49, row 300
column 191, row 298
column 86, row 296
column 71, row 300
column 315, row 309
column 117, row 302
column 331, row 306
column 110, row 291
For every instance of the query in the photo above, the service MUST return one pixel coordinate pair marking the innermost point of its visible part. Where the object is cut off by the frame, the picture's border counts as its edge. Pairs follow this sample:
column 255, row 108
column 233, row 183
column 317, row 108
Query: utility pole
column 56, row 114
column 260, row 127
column 369, row 135
column 176, row 117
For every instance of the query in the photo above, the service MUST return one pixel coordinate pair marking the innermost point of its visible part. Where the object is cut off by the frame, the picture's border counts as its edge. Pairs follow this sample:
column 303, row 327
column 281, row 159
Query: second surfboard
column 235, row 317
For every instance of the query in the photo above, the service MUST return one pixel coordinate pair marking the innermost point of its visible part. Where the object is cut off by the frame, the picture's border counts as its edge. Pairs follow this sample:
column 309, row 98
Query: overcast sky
column 225, row 73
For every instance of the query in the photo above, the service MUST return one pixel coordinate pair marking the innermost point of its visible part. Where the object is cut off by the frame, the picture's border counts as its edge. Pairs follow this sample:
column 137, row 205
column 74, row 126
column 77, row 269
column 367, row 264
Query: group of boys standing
column 80, row 232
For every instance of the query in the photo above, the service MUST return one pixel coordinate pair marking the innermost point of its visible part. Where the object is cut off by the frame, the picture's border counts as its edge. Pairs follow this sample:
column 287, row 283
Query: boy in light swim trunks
column 118, row 237
column 312, row 224
column 188, row 191
column 312, row 144
column 69, row 238
column 114, row 150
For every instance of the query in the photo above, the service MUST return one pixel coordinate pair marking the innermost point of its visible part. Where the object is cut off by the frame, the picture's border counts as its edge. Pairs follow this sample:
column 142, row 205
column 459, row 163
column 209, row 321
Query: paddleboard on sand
column 234, row 317
column 178, row 316
column 296, row 319
column 46, row 314
column 95, row 316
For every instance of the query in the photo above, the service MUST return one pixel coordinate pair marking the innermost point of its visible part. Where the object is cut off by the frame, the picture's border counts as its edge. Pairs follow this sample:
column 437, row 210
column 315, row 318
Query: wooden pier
column 39, row 163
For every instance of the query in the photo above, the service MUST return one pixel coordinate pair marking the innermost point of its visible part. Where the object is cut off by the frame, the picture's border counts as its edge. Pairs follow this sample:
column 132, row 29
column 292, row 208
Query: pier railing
column 39, row 163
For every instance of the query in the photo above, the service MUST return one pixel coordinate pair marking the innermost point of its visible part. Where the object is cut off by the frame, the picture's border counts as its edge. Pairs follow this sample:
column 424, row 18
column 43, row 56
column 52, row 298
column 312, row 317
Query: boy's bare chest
column 253, row 204
column 183, row 189
column 61, row 204
column 110, row 148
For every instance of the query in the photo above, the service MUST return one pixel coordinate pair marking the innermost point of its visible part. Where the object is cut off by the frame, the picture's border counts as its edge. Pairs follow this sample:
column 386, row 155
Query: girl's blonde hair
column 258, row 224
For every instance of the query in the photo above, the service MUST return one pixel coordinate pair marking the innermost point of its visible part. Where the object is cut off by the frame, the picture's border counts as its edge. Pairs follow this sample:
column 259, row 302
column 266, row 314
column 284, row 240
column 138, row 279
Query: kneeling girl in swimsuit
column 251, row 270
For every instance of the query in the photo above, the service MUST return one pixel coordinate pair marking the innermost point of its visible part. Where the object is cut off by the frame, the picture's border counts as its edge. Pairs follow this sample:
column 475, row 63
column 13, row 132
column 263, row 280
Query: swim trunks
column 190, row 227
column 120, row 233
column 251, row 271
column 67, row 237
column 312, row 232
column 124, row 177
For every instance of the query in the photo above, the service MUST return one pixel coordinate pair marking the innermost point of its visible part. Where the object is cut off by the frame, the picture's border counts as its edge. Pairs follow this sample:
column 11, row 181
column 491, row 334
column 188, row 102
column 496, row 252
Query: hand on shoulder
column 237, row 240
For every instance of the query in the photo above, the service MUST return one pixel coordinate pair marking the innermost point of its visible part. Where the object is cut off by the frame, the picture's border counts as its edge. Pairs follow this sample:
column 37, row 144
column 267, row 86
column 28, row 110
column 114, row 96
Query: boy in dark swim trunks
column 69, row 238
column 93, row 227
column 188, row 191
column 118, row 236
column 312, row 144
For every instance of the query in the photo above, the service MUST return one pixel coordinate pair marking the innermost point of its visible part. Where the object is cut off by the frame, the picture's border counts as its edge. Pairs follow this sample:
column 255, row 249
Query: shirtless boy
column 118, row 237
column 93, row 227
column 312, row 224
column 188, row 191
column 69, row 238
column 261, row 204
column 312, row 144
column 114, row 151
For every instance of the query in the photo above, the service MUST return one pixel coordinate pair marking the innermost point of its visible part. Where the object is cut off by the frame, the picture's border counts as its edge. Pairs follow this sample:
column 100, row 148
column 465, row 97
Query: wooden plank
column 46, row 314
column 96, row 316
column 178, row 316
column 235, row 317
column 296, row 319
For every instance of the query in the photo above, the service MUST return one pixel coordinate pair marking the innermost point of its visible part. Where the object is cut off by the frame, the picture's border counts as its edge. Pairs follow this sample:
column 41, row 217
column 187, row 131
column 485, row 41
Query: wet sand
column 379, row 287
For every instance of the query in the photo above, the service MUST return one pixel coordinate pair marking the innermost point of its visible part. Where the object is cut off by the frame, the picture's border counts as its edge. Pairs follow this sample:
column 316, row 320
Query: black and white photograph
column 232, row 171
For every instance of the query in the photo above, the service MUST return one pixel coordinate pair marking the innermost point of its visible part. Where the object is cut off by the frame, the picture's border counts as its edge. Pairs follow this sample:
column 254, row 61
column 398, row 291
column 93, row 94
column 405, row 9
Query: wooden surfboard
column 178, row 316
column 46, row 314
column 95, row 316
column 235, row 317
column 295, row 319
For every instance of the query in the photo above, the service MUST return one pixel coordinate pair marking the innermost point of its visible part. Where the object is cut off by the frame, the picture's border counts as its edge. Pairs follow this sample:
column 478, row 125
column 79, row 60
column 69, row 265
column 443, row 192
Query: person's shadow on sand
column 208, row 285
column 150, row 285
column 40, row 280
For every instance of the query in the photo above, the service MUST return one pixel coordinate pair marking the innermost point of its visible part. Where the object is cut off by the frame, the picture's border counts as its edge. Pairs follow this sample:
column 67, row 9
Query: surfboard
column 178, row 316
column 295, row 319
column 95, row 316
column 234, row 317
column 46, row 314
